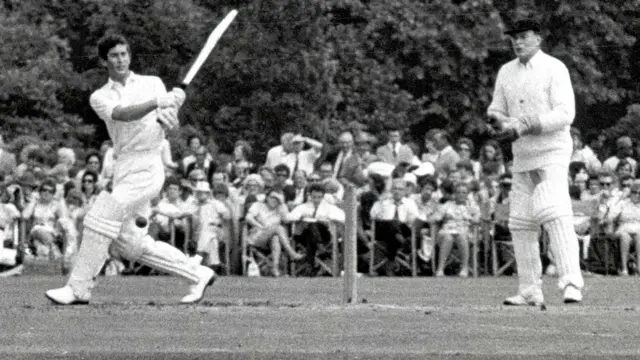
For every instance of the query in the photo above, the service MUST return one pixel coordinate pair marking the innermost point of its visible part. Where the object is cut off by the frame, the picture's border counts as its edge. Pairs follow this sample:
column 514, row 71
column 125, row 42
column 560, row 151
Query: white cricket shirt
column 141, row 135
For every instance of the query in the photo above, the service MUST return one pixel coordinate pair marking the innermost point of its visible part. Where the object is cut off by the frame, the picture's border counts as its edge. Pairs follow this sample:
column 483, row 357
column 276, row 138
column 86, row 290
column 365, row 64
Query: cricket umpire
column 534, row 106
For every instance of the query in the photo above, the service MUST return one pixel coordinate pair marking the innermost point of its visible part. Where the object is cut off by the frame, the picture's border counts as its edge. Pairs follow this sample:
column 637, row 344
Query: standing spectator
column 491, row 160
column 317, row 217
column 241, row 164
column 7, row 159
column 465, row 149
column 279, row 154
column 194, row 142
column 347, row 167
column 584, row 154
column 301, row 159
column 265, row 228
column 624, row 151
column 34, row 163
column 394, row 218
column 427, row 205
column 299, row 189
column 456, row 217
column 394, row 152
column 364, row 149
column 447, row 156
column 430, row 154
column 203, row 161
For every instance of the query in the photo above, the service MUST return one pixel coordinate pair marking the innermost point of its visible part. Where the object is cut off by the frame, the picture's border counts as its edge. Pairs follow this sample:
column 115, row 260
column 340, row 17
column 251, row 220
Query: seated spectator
column 316, row 215
column 467, row 176
column 266, row 230
column 624, row 151
column 584, row 154
column 627, row 217
column 580, row 181
column 626, row 181
column 334, row 191
column 23, row 192
column 252, row 191
column 431, row 153
column 10, row 254
column 456, row 217
column 50, row 221
column 194, row 142
column 625, row 168
column 35, row 162
column 394, row 218
column 170, row 207
column 93, row 163
column 491, row 159
column 89, row 189
column 299, row 193
column 581, row 222
column 208, row 220
column 282, row 182
column 427, row 205
column 465, row 148
column 593, row 188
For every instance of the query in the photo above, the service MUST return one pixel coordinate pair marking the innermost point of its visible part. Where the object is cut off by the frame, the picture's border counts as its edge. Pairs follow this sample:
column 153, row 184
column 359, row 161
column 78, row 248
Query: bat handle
column 183, row 86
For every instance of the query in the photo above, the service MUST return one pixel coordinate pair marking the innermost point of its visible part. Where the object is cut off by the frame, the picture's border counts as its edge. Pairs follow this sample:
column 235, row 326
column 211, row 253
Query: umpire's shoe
column 65, row 296
column 534, row 299
column 572, row 295
column 206, row 278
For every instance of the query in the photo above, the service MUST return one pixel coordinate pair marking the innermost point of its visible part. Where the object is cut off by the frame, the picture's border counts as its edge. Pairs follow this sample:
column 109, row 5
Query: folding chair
column 474, row 241
column 405, row 258
column 262, row 257
column 588, row 208
column 327, row 258
column 501, row 215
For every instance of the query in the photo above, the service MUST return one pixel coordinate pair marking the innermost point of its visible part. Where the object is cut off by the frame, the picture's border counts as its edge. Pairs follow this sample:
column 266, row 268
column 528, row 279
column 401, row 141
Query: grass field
column 302, row 318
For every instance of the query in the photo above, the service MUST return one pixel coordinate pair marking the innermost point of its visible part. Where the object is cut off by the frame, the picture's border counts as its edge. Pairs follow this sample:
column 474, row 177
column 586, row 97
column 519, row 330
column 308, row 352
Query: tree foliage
column 316, row 66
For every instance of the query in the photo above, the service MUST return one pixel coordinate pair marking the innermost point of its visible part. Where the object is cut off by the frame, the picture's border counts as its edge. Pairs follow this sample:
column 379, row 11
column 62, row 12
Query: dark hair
column 574, row 192
column 193, row 137
column 282, row 168
column 316, row 187
column 428, row 180
column 465, row 164
column 37, row 155
column 109, row 42
column 47, row 182
column 172, row 180
column 379, row 182
column 68, row 186
column 465, row 141
column 220, row 188
column 94, row 176
column 247, row 150
column 400, row 170
column 92, row 154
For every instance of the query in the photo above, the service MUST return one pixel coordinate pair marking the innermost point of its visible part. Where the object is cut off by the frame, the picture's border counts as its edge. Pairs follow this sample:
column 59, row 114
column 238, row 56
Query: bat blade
column 213, row 38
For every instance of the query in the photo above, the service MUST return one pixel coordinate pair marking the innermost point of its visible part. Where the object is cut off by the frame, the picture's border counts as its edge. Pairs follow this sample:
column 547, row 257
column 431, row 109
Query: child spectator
column 456, row 217
column 208, row 220
column 491, row 161
column 427, row 205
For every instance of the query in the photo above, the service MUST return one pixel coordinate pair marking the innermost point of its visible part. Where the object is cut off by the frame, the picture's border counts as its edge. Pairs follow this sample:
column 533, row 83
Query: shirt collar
column 133, row 77
column 533, row 62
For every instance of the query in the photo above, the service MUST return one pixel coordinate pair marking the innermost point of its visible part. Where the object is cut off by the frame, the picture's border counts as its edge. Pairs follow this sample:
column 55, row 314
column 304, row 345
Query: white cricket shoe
column 533, row 299
column 196, row 291
column 65, row 296
column 572, row 295
column 14, row 270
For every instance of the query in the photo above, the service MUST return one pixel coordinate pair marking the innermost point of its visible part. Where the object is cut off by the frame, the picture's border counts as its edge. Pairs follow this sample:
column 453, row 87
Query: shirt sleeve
column 499, row 101
column 562, row 100
column 336, row 214
column 103, row 105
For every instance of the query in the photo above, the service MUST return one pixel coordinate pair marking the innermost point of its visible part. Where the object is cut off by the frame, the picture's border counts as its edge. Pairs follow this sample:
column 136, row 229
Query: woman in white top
column 89, row 188
column 50, row 220
column 627, row 215
column 266, row 230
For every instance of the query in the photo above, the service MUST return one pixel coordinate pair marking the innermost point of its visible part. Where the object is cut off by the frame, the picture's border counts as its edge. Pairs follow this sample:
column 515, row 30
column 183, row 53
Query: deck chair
column 327, row 259
column 262, row 256
column 406, row 258
column 501, row 215
column 474, row 243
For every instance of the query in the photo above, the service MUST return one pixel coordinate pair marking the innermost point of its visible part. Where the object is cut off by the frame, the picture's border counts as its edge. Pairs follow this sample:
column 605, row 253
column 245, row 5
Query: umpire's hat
column 524, row 25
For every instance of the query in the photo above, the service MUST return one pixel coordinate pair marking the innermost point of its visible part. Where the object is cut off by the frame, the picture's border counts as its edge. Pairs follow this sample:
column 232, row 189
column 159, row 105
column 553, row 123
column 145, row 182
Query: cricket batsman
column 136, row 109
column 533, row 106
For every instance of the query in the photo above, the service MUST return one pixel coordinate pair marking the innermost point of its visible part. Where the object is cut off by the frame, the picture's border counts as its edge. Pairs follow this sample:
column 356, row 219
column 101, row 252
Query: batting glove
column 530, row 124
column 165, row 101
column 179, row 96
column 168, row 118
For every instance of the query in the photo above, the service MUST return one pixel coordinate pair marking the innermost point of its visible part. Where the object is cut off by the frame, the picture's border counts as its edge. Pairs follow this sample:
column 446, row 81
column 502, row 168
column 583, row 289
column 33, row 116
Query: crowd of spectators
column 292, row 201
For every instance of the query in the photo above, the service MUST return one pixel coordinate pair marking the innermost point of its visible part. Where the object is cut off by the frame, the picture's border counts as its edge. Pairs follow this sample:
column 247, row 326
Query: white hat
column 202, row 186
column 426, row 168
column 380, row 168
column 410, row 178
column 297, row 138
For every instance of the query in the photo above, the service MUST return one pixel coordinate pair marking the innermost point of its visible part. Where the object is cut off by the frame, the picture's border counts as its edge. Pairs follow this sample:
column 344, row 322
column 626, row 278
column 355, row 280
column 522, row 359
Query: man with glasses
column 533, row 106
column 137, row 110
